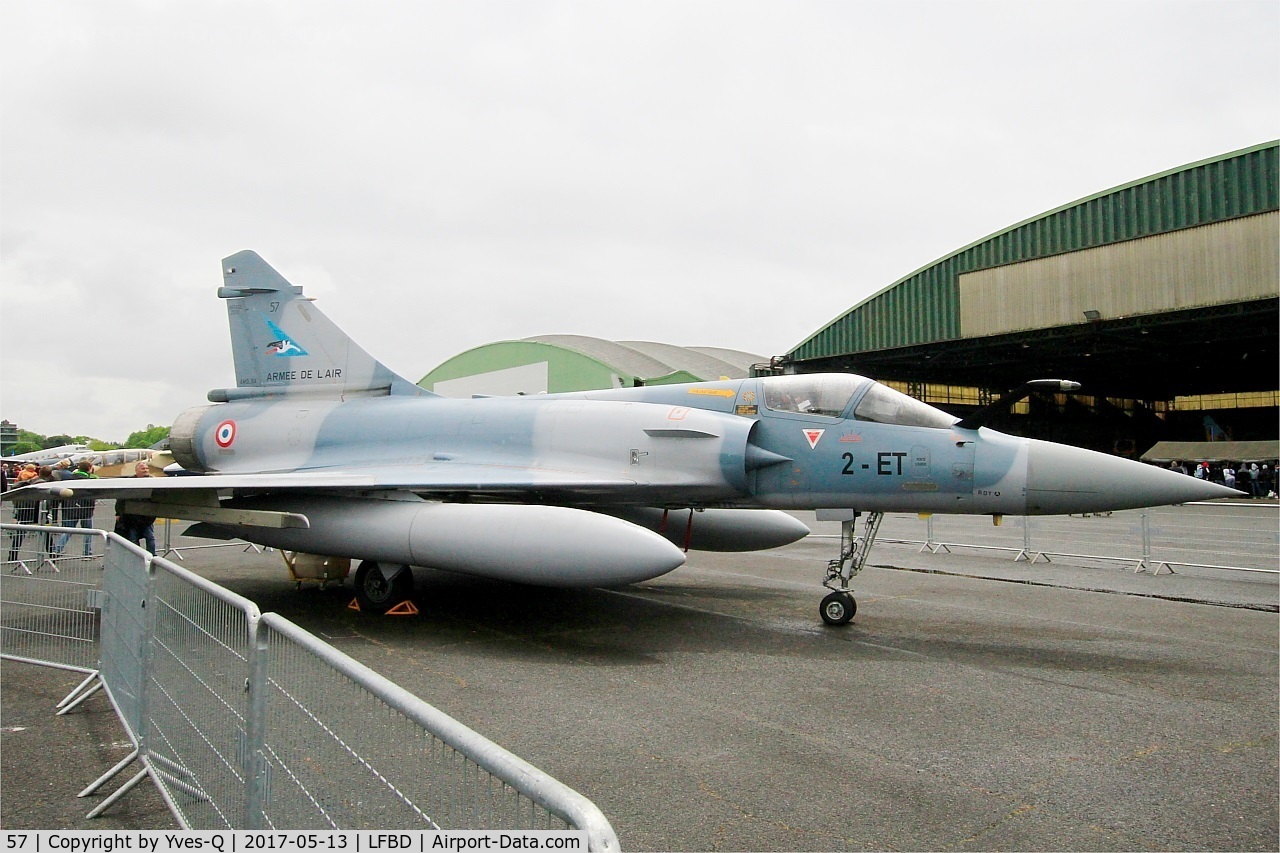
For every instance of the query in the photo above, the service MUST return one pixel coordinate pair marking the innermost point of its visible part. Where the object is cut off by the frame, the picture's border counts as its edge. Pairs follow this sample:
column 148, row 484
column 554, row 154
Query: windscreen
column 884, row 405
column 818, row 394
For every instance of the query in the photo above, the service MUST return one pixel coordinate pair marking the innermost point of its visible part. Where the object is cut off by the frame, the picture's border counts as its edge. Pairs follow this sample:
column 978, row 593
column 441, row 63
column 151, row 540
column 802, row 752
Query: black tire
column 375, row 594
column 838, row 608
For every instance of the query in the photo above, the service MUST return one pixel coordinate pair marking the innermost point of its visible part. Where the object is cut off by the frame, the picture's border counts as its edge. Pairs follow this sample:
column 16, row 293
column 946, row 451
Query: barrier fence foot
column 124, row 789
column 80, row 699
column 106, row 777
column 76, row 691
column 1154, row 567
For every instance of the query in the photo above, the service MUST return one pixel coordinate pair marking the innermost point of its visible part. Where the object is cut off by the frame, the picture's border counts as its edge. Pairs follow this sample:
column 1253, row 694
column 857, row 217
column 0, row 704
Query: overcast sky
column 444, row 175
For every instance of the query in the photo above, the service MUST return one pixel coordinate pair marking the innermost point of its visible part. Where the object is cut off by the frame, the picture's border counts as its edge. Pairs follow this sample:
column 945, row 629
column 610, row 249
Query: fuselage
column 786, row 442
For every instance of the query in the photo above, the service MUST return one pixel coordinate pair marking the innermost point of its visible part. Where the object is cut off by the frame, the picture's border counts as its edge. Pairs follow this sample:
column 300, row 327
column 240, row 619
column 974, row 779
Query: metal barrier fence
column 247, row 721
column 197, row 718
column 1232, row 537
column 47, row 608
column 436, row 773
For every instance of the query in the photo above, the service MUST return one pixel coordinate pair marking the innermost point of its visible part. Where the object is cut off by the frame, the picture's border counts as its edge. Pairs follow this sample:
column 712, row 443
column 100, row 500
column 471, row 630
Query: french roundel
column 225, row 433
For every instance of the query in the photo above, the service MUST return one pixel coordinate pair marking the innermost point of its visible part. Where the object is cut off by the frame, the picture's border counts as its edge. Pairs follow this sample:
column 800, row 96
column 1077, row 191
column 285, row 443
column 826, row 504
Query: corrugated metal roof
column 621, row 358
column 741, row 360
column 924, row 307
column 691, row 360
column 652, row 360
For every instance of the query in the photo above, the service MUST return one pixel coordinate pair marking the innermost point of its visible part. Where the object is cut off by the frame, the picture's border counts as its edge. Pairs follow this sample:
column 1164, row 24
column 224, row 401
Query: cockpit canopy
column 813, row 394
column 829, row 394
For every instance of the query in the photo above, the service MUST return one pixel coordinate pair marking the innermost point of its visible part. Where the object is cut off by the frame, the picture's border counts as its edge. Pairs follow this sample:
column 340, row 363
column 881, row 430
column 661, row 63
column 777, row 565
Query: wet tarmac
column 975, row 703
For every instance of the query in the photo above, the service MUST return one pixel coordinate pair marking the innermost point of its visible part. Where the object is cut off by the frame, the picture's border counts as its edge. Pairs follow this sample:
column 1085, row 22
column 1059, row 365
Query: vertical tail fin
column 283, row 344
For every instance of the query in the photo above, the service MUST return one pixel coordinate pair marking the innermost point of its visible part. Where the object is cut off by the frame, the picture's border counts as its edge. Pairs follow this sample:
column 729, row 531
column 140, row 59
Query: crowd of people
column 71, row 512
column 1255, row 479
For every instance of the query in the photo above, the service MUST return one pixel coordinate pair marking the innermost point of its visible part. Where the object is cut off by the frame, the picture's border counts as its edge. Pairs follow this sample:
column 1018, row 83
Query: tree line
column 24, row 441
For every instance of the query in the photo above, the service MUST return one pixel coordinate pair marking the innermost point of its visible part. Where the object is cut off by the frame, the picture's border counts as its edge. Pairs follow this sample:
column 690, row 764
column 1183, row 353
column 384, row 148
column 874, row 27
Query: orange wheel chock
column 404, row 608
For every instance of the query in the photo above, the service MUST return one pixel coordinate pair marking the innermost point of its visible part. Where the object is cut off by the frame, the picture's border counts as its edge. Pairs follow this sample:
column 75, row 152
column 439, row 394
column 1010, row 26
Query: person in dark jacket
column 137, row 528
column 24, row 512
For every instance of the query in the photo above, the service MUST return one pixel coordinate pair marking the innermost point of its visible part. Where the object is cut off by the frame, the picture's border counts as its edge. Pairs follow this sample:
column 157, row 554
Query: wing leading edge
column 439, row 478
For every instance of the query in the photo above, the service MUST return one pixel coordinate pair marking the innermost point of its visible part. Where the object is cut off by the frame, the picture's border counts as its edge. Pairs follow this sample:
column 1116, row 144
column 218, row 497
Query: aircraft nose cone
column 1063, row 479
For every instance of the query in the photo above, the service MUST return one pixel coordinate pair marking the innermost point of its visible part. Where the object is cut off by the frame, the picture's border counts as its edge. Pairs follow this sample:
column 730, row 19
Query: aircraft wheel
column 838, row 608
column 375, row 593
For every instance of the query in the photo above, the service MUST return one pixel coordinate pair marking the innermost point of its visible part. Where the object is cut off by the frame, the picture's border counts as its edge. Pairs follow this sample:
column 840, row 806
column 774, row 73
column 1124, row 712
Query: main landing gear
column 839, row 606
column 381, row 586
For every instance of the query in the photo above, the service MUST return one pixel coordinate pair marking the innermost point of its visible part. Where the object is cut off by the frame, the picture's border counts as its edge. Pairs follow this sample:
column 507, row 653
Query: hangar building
column 553, row 363
column 1159, row 296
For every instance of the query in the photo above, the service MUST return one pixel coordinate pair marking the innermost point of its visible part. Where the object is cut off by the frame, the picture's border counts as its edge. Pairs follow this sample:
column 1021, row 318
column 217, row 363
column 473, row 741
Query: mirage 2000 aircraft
column 322, row 449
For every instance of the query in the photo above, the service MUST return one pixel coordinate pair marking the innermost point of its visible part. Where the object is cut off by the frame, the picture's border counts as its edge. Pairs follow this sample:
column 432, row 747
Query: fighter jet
column 51, row 454
column 322, row 449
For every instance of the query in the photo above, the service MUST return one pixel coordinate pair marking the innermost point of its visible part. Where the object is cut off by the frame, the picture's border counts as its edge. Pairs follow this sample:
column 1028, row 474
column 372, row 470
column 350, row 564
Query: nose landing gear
column 839, row 606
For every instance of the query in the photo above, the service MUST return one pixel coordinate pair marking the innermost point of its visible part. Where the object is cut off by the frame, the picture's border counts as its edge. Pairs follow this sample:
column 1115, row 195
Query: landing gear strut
column 839, row 607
